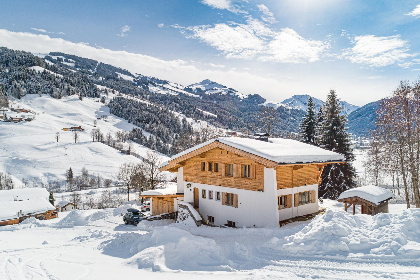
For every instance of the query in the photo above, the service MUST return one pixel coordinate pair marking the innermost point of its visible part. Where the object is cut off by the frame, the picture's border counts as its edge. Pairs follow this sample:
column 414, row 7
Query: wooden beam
column 345, row 206
column 354, row 209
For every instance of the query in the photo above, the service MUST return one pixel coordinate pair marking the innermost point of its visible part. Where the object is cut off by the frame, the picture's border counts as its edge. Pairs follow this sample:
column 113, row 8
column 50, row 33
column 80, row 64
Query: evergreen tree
column 69, row 176
column 333, row 136
column 51, row 199
column 308, row 126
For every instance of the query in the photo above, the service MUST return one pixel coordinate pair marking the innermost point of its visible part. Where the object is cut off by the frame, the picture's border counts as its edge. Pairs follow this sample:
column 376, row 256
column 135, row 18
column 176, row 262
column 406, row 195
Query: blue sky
column 360, row 48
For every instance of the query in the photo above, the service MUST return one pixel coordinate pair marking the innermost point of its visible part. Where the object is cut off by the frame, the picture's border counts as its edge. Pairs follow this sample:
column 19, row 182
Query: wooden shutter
column 313, row 198
column 252, row 171
column 236, row 170
column 222, row 168
column 235, row 200
column 289, row 201
column 223, row 198
column 296, row 199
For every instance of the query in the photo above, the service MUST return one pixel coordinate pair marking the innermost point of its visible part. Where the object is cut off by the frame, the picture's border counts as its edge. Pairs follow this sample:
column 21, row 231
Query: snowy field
column 30, row 151
column 95, row 244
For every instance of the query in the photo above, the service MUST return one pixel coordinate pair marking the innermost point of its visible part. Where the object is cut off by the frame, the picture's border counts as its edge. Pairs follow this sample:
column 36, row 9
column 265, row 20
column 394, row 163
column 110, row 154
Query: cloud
column 415, row 12
column 255, row 40
column 229, row 5
column 46, row 32
column 267, row 15
column 124, row 30
column 378, row 51
column 161, row 25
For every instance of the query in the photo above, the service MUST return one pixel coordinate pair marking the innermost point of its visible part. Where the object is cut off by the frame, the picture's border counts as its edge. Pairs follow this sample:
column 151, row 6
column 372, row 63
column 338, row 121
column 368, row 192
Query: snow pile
column 168, row 248
column 359, row 236
column 83, row 218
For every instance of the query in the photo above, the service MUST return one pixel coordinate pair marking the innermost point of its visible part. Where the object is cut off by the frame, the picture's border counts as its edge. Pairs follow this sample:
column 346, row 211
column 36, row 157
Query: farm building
column 163, row 200
column 18, row 204
column 249, row 182
column 64, row 206
column 372, row 199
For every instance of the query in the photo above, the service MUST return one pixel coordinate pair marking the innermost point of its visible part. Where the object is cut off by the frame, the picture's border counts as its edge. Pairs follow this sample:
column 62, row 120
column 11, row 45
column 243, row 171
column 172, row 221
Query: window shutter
column 296, row 199
column 236, row 170
column 222, row 169
column 313, row 198
column 252, row 172
column 235, row 200
column 289, row 201
column 223, row 198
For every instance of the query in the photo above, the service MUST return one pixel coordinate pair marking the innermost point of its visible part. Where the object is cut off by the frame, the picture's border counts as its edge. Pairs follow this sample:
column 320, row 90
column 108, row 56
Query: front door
column 196, row 203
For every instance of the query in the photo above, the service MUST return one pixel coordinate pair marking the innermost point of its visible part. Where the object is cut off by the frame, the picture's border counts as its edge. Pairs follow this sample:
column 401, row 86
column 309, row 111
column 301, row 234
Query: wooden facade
column 193, row 170
column 291, row 176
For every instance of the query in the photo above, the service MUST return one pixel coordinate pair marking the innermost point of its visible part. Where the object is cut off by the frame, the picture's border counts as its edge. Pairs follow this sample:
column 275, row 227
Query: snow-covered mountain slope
column 29, row 150
column 210, row 87
column 301, row 102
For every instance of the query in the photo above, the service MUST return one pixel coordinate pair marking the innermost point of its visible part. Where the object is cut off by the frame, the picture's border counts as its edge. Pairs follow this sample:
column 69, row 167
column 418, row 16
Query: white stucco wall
column 255, row 209
column 300, row 210
column 180, row 180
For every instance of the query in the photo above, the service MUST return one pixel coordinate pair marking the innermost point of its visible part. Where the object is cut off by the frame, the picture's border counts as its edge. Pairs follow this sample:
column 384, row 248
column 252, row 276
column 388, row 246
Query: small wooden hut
column 372, row 199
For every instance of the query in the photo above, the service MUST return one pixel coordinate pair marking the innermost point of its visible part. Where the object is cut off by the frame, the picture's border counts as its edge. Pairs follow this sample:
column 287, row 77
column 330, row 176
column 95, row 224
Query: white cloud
column 378, row 51
column 255, row 40
column 267, row 15
column 415, row 12
column 39, row 30
column 230, row 5
column 161, row 25
column 124, row 30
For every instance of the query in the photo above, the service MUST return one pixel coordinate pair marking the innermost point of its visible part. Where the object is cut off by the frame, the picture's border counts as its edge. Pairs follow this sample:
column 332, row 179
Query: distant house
column 372, row 199
column 73, row 128
column 64, row 206
column 248, row 182
column 18, row 110
column 17, row 205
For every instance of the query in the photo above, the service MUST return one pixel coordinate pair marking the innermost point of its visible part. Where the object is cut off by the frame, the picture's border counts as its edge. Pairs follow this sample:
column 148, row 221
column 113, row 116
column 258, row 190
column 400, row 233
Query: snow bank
column 91, row 217
column 339, row 233
column 168, row 248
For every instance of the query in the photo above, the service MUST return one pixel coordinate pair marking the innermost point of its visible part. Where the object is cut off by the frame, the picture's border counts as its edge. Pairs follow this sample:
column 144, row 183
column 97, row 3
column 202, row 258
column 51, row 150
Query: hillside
column 362, row 120
column 29, row 150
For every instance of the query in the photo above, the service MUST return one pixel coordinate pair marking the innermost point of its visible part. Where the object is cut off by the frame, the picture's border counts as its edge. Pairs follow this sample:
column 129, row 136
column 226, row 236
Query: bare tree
column 75, row 136
column 57, row 136
column 153, row 175
column 268, row 115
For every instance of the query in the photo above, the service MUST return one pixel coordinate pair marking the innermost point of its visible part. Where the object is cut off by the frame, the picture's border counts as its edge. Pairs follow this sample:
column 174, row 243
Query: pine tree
column 51, row 199
column 69, row 176
column 308, row 126
column 333, row 136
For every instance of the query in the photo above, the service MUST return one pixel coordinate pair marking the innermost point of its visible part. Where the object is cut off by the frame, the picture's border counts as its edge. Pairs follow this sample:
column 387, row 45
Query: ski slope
column 29, row 150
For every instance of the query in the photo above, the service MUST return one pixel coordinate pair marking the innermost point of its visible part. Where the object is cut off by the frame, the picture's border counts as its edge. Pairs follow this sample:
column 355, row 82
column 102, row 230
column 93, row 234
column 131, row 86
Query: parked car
column 133, row 216
column 145, row 206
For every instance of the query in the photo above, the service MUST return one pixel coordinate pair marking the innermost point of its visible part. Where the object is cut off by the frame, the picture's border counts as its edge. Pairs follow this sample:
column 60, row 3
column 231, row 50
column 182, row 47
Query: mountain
column 362, row 120
column 301, row 102
column 210, row 87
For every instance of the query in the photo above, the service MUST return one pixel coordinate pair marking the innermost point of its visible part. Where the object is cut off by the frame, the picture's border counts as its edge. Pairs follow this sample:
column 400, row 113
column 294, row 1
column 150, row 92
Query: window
column 210, row 194
column 203, row 193
column 229, row 170
column 281, row 201
column 229, row 199
column 203, row 166
column 246, row 171
column 217, row 195
column 231, row 224
column 304, row 198
column 210, row 219
column 210, row 166
column 216, row 167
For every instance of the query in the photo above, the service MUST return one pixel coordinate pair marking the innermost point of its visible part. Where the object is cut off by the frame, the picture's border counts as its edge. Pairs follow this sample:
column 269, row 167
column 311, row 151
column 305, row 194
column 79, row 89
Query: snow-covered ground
column 29, row 150
column 94, row 244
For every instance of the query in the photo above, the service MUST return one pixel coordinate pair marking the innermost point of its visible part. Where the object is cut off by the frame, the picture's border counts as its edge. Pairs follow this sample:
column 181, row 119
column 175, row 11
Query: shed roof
column 169, row 190
column 370, row 193
column 277, row 150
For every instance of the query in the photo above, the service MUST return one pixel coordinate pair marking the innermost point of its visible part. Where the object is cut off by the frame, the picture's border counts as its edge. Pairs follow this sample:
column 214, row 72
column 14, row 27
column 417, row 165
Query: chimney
column 261, row 136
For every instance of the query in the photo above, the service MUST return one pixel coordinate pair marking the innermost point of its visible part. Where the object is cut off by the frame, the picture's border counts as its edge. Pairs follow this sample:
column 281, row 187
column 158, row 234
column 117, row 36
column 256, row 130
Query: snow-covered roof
column 279, row 150
column 169, row 190
column 370, row 193
column 62, row 203
column 10, row 209
column 23, row 194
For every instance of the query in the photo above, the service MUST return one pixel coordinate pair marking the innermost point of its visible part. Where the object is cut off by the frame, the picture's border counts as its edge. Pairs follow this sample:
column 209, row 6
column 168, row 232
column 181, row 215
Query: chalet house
column 64, row 206
column 18, row 204
column 248, row 182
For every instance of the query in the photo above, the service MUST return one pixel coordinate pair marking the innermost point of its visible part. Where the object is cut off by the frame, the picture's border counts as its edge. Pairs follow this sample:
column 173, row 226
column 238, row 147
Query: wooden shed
column 372, row 199
column 163, row 200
